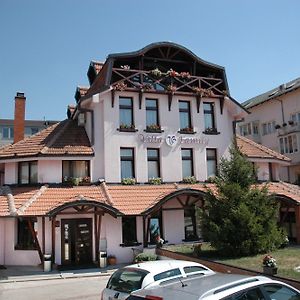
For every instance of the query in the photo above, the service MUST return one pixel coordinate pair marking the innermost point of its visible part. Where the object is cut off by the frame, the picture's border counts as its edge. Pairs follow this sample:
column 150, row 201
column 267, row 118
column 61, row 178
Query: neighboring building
column 139, row 121
column 31, row 127
column 275, row 123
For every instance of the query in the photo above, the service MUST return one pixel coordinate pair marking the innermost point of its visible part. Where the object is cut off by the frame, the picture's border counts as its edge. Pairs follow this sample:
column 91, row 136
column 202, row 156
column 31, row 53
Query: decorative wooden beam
column 180, row 202
column 112, row 98
column 144, row 232
column 187, row 200
column 285, row 215
column 147, row 231
column 140, row 98
column 170, row 98
column 174, row 54
column 36, row 241
column 162, row 53
column 222, row 100
column 198, row 100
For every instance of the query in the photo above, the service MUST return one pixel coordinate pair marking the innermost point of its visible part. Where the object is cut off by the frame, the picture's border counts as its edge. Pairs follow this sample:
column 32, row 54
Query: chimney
column 19, row 121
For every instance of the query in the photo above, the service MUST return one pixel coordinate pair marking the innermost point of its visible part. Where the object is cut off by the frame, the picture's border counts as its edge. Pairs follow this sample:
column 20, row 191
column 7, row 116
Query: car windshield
column 126, row 280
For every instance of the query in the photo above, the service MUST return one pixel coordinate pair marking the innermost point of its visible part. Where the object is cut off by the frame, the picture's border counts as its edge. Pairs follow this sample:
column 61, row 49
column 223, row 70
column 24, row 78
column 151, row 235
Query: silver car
column 221, row 286
column 149, row 274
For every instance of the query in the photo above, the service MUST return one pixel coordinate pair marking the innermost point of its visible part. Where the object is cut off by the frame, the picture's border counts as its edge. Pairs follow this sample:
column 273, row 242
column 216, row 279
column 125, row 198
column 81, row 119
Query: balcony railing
column 171, row 82
column 291, row 127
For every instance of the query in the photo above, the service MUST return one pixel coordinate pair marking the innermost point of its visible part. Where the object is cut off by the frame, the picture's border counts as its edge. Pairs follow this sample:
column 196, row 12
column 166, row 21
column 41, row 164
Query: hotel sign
column 172, row 140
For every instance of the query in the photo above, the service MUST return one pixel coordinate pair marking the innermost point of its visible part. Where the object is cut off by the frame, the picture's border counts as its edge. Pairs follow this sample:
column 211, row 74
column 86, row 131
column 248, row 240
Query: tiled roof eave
column 2, row 158
column 269, row 159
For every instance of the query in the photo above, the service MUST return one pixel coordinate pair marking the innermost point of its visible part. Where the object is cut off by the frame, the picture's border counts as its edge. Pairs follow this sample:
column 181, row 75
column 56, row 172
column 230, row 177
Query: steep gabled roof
column 254, row 150
column 64, row 138
column 276, row 92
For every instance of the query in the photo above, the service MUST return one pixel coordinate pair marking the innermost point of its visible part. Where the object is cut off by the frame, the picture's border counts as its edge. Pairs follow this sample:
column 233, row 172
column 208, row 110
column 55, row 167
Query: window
column 209, row 117
column 190, row 225
column 255, row 126
column 167, row 274
column 76, row 169
column 288, row 144
column 249, row 128
column 155, row 228
column 25, row 240
column 278, row 292
column 126, row 113
column 211, row 162
column 295, row 117
column 127, row 163
column 254, row 293
column 187, row 162
column 129, row 230
column 28, row 173
column 153, row 163
column 185, row 115
column 268, row 128
column 31, row 131
column 7, row 133
column 152, row 120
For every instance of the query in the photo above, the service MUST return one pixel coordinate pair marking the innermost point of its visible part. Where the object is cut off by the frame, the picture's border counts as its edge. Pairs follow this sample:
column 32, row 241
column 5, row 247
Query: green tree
column 239, row 218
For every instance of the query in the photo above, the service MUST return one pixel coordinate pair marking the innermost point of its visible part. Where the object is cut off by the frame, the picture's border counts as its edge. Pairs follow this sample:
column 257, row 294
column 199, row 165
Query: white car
column 149, row 274
column 221, row 287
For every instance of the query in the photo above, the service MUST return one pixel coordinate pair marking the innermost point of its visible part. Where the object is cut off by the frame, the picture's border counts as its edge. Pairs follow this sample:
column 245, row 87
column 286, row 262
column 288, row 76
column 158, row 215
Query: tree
column 239, row 218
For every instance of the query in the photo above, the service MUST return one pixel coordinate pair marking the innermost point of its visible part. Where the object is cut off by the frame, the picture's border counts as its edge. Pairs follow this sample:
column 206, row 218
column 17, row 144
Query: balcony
column 169, row 83
column 287, row 128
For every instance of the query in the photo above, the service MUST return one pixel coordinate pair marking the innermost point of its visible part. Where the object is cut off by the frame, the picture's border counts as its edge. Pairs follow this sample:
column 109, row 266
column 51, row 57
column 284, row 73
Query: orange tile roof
column 255, row 150
column 64, row 138
column 128, row 200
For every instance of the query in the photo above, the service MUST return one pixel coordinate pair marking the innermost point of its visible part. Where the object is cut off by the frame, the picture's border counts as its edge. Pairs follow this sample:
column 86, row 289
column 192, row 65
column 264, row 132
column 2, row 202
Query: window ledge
column 211, row 132
column 186, row 132
column 127, row 129
column 17, row 247
column 154, row 130
column 130, row 244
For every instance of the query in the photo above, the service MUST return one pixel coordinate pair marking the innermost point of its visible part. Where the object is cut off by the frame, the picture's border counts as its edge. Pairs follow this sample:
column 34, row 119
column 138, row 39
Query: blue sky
column 46, row 46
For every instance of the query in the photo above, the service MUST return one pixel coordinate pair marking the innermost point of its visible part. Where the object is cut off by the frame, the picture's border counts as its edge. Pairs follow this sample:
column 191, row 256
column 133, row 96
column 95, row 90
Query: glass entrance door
column 76, row 241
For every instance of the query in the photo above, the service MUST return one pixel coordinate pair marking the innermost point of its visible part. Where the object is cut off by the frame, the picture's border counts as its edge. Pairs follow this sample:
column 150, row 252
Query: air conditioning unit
column 81, row 119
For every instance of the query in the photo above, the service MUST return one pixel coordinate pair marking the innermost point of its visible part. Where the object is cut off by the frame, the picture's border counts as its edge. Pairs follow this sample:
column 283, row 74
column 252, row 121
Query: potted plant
column 269, row 265
column 171, row 88
column 111, row 259
column 187, row 130
column 155, row 180
column 172, row 73
column 185, row 75
column 156, row 72
column 128, row 181
column 127, row 127
column 120, row 86
column 277, row 126
column 210, row 130
column 189, row 179
column 153, row 128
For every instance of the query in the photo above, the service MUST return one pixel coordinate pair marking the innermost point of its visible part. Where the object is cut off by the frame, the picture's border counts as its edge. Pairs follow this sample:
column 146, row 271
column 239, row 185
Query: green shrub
column 145, row 257
column 189, row 179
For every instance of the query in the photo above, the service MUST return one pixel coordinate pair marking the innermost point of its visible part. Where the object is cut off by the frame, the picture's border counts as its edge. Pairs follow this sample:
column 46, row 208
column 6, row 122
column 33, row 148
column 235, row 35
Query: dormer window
column 28, row 172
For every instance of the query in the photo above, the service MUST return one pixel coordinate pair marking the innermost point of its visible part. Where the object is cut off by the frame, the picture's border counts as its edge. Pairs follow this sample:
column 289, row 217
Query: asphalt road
column 88, row 288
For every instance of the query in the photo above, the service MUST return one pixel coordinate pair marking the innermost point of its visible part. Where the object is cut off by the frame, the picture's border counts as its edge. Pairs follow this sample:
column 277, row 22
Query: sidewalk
column 33, row 273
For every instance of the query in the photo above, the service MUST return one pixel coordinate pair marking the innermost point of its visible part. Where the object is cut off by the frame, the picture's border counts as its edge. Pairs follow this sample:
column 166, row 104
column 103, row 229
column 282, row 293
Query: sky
column 46, row 45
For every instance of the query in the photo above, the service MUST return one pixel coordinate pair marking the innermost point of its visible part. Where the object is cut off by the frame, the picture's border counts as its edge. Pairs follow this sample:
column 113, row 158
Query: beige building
column 274, row 121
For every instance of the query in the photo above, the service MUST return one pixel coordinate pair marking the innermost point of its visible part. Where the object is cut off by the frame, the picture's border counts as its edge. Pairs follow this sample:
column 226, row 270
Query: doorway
column 76, row 242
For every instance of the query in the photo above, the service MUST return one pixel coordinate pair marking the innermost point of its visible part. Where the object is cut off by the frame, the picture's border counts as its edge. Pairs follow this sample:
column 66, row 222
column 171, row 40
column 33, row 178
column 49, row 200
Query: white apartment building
column 274, row 121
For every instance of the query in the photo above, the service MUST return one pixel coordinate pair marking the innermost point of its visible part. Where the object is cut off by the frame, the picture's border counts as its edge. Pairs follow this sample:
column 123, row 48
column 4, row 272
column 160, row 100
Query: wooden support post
column 222, row 100
column 43, row 235
column 53, row 239
column 99, row 230
column 297, row 215
column 112, row 98
column 170, row 98
column 140, row 99
column 96, row 234
column 36, row 241
column 198, row 100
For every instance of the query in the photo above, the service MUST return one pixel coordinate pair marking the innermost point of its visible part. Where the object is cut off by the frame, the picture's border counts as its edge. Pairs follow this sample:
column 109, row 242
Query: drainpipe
column 234, row 122
column 282, row 111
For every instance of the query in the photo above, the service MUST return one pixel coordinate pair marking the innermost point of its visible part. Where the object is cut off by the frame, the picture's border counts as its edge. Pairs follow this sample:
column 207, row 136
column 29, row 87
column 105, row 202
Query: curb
column 53, row 277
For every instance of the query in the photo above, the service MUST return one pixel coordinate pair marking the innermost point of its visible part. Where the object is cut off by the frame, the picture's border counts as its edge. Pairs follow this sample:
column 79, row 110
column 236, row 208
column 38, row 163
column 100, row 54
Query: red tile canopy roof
column 121, row 199
column 62, row 139
column 254, row 150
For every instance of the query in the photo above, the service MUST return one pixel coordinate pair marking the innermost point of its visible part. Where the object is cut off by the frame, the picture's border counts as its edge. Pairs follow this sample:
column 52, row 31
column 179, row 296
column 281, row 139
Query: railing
column 289, row 128
column 170, row 82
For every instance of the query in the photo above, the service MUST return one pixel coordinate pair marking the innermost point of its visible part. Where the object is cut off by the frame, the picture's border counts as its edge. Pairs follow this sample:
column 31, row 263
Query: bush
column 145, row 257
column 155, row 180
column 240, row 219
column 189, row 179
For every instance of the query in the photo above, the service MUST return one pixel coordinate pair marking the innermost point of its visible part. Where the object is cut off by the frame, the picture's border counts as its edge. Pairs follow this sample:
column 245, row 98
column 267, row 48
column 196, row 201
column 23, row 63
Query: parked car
column 148, row 274
column 220, row 286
